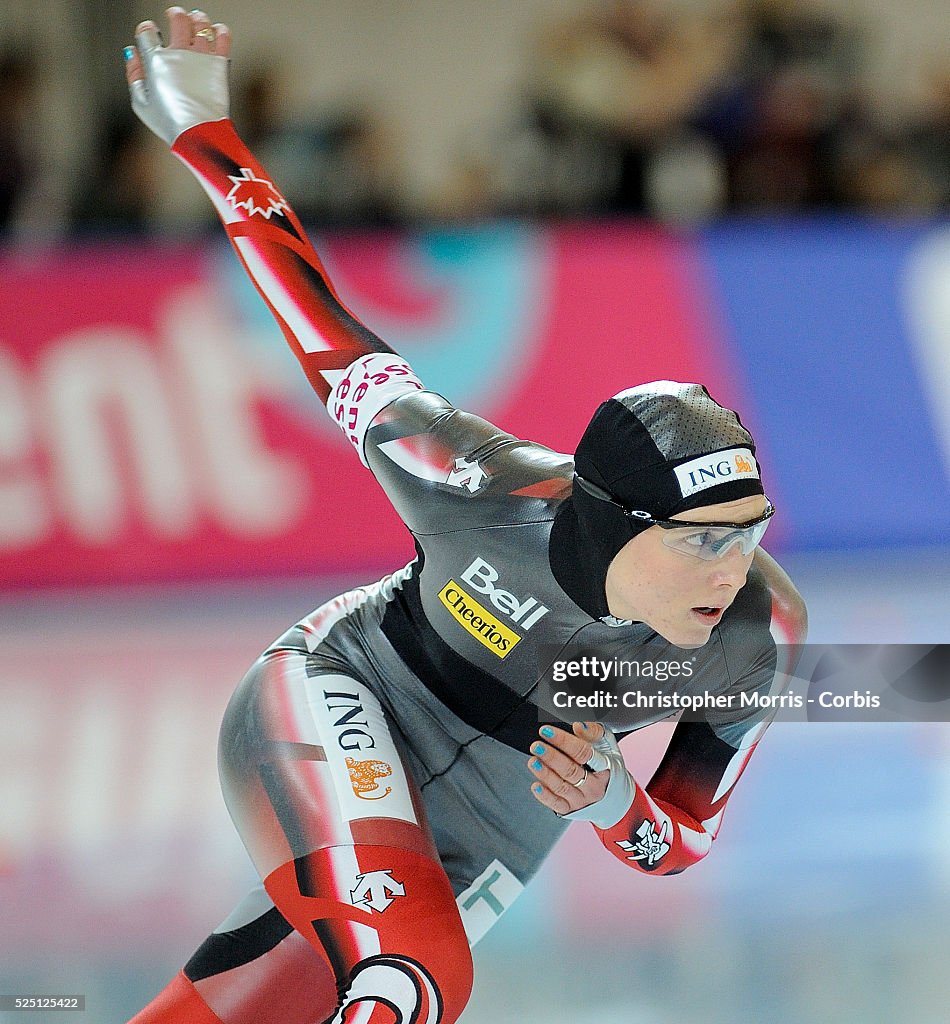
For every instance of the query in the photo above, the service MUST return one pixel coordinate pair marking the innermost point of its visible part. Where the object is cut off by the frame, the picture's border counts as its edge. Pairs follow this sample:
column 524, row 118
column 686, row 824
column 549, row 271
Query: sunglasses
column 701, row 540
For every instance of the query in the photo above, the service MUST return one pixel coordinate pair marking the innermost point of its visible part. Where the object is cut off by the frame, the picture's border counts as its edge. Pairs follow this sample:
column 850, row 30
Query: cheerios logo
column 477, row 620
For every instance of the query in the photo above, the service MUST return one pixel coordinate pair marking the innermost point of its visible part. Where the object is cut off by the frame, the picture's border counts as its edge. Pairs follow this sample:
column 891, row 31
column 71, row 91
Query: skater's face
column 680, row 596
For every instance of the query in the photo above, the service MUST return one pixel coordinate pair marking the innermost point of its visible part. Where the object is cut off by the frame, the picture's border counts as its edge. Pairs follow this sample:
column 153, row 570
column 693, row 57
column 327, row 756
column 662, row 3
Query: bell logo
column 481, row 577
column 484, row 625
column 718, row 468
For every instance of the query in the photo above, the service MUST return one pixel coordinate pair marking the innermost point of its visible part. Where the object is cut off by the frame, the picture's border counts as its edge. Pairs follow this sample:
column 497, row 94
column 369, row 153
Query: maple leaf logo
column 256, row 195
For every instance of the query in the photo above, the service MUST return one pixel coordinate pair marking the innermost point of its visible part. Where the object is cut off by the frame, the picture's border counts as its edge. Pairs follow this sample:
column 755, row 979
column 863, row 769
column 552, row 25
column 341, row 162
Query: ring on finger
column 583, row 778
column 206, row 33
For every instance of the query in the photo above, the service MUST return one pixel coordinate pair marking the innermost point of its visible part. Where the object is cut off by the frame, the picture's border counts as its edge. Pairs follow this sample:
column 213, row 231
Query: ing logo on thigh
column 364, row 775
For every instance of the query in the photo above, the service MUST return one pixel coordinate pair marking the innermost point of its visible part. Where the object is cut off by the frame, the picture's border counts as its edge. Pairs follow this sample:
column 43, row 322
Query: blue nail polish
column 547, row 732
column 537, row 766
column 538, row 748
column 128, row 53
column 538, row 790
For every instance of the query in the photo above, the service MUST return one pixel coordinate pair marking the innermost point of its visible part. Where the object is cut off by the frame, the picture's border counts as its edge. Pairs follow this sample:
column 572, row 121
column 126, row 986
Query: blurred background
column 538, row 203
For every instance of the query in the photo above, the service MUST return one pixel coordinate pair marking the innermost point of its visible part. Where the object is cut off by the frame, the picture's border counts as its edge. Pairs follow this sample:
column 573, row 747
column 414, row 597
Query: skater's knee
column 388, row 923
column 436, row 991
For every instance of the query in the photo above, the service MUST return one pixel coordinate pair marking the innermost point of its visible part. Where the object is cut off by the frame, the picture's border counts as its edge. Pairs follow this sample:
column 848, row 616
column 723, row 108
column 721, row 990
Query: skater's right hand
column 185, row 83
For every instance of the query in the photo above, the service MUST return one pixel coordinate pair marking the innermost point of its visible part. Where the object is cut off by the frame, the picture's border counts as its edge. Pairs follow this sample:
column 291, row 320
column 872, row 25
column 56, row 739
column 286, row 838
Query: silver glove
column 616, row 801
column 181, row 89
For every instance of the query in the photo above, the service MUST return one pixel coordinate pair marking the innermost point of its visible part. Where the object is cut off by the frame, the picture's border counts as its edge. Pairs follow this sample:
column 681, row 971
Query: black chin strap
column 579, row 572
column 586, row 535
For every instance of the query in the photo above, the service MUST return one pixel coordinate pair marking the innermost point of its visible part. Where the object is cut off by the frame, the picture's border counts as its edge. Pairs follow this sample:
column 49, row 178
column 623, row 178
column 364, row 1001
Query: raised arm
column 441, row 468
column 180, row 91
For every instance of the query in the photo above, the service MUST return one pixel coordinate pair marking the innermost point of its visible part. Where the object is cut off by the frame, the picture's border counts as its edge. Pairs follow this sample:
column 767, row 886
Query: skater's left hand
column 563, row 779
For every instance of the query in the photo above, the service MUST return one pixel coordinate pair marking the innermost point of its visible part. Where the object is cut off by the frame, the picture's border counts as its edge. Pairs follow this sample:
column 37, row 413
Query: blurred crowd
column 758, row 105
column 632, row 107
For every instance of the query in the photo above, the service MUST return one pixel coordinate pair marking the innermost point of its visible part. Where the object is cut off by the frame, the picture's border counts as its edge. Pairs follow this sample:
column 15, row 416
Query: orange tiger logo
column 363, row 776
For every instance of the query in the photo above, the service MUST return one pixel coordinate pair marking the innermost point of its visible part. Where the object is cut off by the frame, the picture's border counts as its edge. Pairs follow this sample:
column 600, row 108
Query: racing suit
column 373, row 759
